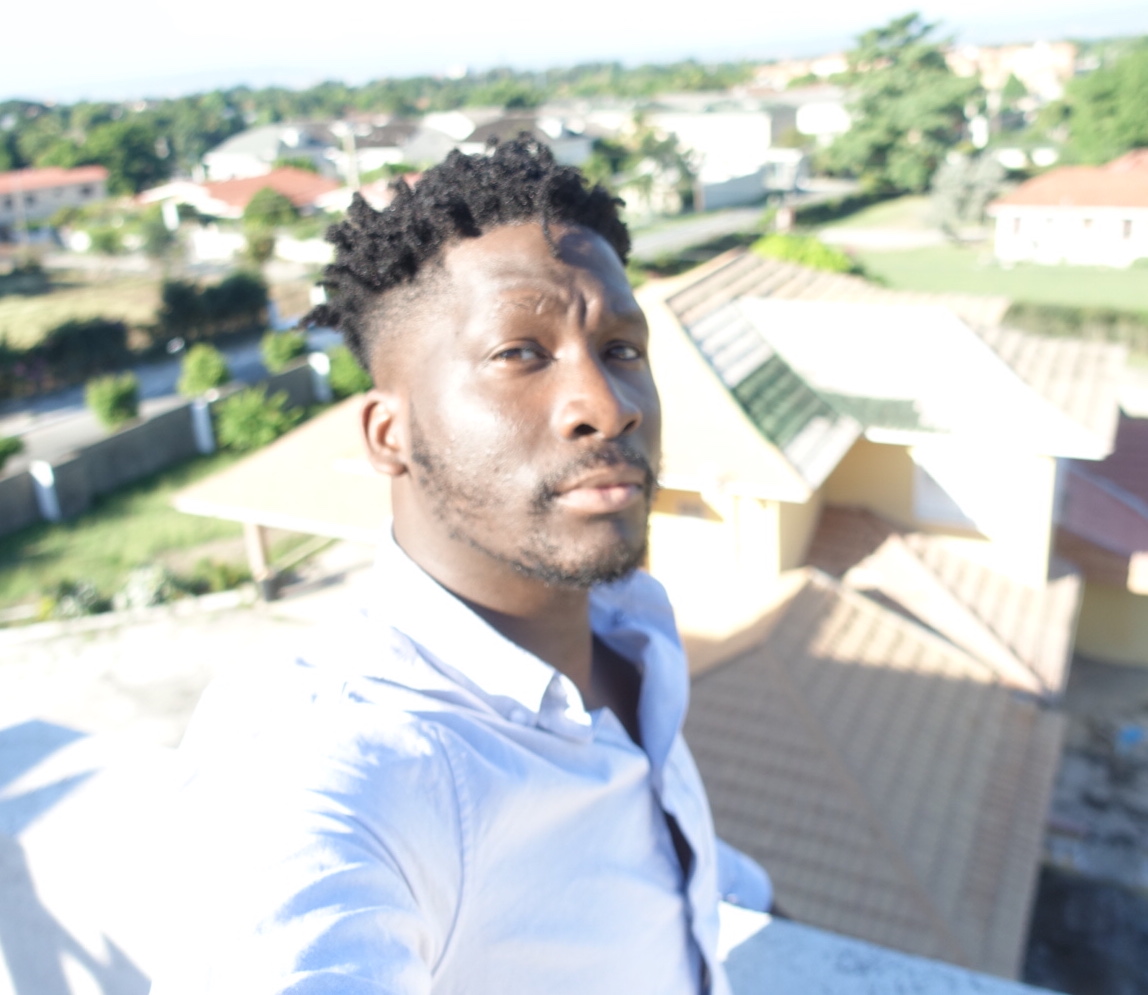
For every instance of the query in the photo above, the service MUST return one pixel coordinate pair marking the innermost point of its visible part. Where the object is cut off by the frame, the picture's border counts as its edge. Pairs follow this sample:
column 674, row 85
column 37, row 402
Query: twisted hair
column 377, row 253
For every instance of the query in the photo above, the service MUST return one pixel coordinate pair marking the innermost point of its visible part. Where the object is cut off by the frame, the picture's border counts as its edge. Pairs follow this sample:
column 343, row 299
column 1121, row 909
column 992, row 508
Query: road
column 57, row 424
column 695, row 230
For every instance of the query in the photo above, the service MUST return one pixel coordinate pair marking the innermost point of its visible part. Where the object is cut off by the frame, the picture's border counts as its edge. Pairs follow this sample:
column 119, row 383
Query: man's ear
column 385, row 432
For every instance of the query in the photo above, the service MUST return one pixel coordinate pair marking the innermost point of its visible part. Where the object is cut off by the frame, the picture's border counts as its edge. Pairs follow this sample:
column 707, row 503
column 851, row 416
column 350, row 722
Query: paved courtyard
column 89, row 714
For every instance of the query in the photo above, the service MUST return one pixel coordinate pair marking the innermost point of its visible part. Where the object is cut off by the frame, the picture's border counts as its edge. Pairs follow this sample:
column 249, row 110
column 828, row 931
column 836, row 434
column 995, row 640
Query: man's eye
column 519, row 354
column 624, row 351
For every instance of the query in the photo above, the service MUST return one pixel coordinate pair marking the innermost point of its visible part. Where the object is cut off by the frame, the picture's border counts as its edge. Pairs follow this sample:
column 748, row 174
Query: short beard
column 455, row 504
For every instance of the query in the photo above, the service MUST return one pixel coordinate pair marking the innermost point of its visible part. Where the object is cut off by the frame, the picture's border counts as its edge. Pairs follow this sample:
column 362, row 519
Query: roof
column 1103, row 520
column 895, row 791
column 284, row 485
column 25, row 180
column 1121, row 183
column 752, row 308
column 299, row 186
column 1022, row 634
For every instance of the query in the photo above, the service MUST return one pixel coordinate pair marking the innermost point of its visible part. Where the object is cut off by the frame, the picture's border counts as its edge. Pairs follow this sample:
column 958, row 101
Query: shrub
column 347, row 376
column 114, row 399
column 80, row 347
column 73, row 599
column 280, row 349
column 146, row 586
column 204, row 368
column 212, row 576
column 9, row 447
column 1096, row 323
column 805, row 250
column 181, row 309
column 234, row 304
column 251, row 419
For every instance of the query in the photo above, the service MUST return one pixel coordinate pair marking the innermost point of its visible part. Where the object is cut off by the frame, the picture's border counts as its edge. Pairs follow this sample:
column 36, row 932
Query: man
column 482, row 788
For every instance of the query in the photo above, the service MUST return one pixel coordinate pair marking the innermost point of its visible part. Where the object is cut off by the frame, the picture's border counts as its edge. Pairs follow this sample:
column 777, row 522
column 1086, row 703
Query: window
column 85, row 191
column 1087, row 223
column 29, row 199
column 1127, row 227
column 7, row 203
column 1016, row 226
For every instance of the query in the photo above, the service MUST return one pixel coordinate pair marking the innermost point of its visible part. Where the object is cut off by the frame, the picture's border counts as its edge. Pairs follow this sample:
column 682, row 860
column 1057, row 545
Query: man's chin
column 602, row 566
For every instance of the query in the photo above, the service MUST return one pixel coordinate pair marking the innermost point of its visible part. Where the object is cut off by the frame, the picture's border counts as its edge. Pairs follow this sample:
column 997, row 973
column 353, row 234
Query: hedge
column 1101, row 324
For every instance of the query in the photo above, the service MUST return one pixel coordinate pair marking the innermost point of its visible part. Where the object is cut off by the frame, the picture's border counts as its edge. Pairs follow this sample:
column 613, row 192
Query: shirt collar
column 632, row 616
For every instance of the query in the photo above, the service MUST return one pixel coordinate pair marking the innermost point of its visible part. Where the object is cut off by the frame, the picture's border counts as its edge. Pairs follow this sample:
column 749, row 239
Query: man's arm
column 313, row 856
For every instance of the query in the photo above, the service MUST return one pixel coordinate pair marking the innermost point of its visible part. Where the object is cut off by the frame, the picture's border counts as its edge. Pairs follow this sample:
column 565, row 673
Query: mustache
column 612, row 454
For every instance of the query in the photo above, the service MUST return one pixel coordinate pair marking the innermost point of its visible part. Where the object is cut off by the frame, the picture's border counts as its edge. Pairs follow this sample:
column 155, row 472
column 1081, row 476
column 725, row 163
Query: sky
column 126, row 49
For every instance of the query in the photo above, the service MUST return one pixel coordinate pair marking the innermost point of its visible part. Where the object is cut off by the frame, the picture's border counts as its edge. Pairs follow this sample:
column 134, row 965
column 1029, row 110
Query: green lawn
column 25, row 319
column 124, row 530
column 911, row 213
column 975, row 271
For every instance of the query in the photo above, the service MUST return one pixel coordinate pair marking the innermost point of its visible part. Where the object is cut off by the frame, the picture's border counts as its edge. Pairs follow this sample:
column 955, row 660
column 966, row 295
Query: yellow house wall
column 1010, row 496
column 796, row 525
column 876, row 477
column 1113, row 625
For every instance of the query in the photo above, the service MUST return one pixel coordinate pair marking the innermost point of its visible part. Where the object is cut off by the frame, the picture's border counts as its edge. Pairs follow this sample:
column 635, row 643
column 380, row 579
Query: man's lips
column 604, row 491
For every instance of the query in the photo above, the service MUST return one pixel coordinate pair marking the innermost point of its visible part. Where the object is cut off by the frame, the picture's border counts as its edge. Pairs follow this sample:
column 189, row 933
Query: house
column 472, row 129
column 879, row 614
column 34, row 195
column 377, row 142
column 308, row 191
column 255, row 151
column 1042, row 67
column 1082, row 215
column 820, row 111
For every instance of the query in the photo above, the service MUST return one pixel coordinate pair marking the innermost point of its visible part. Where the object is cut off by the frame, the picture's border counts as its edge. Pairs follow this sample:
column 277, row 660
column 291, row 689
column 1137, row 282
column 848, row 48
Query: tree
column 269, row 209
column 1107, row 110
column 281, row 349
column 962, row 189
column 127, row 149
column 908, row 108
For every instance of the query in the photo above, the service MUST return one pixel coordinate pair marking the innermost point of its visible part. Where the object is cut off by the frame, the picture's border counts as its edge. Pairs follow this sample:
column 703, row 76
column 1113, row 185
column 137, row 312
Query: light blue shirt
column 421, row 806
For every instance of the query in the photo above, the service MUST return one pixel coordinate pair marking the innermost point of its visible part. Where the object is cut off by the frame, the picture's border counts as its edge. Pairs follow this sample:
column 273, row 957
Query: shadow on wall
column 41, row 957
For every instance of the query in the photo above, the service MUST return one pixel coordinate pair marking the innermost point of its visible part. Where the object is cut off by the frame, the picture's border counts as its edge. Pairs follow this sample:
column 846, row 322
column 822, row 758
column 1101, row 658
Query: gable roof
column 1065, row 391
column 893, row 788
column 299, row 186
column 1023, row 634
column 1120, row 183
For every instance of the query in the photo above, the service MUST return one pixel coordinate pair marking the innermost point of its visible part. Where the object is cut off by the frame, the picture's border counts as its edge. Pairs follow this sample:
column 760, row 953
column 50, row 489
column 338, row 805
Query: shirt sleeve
column 742, row 881
column 312, row 857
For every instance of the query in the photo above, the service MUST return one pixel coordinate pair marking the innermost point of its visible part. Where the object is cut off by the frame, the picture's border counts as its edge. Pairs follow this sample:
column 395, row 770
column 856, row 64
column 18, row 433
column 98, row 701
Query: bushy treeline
column 78, row 350
column 1104, row 324
column 143, row 143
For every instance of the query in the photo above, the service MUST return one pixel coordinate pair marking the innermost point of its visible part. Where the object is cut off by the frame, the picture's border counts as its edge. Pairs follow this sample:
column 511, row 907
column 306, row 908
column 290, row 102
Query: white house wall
column 1082, row 236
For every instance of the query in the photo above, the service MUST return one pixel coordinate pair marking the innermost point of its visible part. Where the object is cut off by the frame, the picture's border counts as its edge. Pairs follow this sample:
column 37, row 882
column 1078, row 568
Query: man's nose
column 594, row 401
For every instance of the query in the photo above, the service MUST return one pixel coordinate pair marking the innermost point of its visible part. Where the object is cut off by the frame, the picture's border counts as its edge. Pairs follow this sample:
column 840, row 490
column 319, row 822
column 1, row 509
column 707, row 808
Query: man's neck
column 549, row 621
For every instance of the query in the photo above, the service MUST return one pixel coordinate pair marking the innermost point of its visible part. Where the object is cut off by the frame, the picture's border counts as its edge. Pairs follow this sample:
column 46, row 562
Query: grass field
column 974, row 271
column 25, row 319
column 132, row 527
column 909, row 213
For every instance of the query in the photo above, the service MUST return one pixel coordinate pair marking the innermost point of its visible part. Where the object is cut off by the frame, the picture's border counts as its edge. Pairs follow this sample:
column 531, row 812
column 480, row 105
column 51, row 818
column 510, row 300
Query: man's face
column 533, row 421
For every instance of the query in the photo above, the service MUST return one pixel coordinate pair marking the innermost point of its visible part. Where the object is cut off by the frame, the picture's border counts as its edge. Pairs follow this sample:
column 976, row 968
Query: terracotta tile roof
column 299, row 186
column 25, row 180
column 1078, row 377
column 1121, row 183
column 893, row 789
column 750, row 275
column 1127, row 467
column 1023, row 635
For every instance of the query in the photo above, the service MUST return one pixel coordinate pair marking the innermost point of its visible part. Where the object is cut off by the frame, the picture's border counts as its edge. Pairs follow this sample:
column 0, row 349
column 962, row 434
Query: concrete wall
column 128, row 455
column 1113, row 625
column 17, row 502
